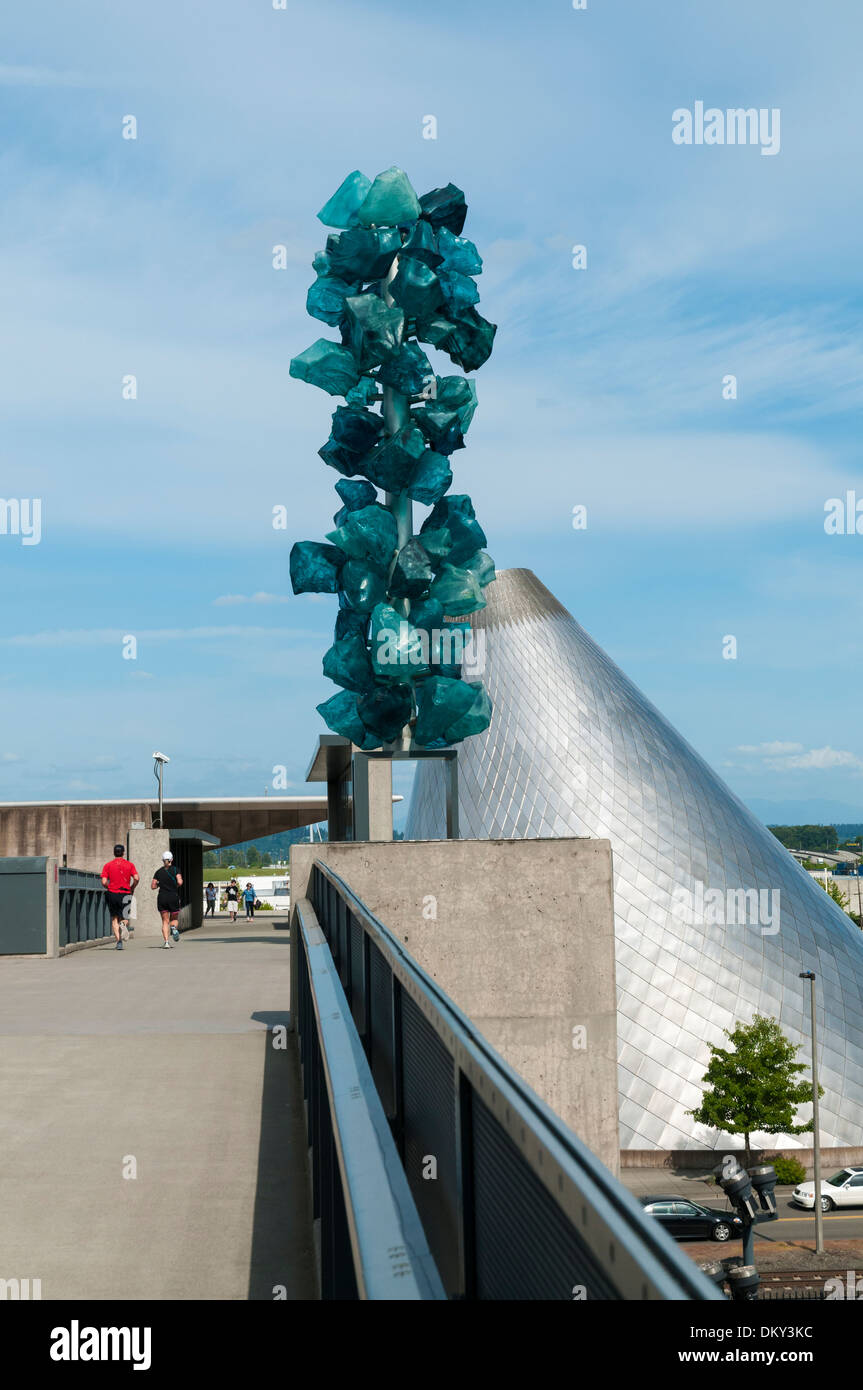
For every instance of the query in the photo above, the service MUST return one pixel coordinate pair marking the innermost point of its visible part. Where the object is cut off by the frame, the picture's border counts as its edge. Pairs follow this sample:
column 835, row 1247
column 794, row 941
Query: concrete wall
column 83, row 837
column 520, row 934
column 145, row 851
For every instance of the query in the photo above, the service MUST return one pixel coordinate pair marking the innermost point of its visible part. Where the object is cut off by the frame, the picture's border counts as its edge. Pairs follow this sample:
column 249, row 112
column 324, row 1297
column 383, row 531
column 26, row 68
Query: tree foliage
column 807, row 837
column 753, row 1086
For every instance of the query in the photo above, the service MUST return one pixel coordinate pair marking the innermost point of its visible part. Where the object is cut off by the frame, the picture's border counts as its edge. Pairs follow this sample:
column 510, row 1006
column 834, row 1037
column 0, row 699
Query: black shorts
column 169, row 904
column 118, row 906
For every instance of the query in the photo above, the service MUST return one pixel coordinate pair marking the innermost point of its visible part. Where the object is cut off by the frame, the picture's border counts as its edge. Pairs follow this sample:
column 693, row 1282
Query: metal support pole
column 816, row 1132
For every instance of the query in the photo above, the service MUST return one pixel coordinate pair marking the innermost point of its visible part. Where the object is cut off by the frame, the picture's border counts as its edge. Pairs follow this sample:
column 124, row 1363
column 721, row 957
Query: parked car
column 686, row 1220
column 844, row 1189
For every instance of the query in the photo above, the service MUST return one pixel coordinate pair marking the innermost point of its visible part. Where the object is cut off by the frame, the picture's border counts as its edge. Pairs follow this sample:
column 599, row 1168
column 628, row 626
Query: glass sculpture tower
column 714, row 919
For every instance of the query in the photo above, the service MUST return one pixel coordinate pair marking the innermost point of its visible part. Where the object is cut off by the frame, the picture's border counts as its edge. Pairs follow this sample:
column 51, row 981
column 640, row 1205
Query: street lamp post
column 816, row 1136
column 160, row 759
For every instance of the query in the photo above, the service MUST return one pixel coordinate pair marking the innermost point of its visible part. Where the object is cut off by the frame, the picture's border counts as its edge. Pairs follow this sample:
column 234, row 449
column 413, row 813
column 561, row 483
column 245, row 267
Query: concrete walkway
column 159, row 1064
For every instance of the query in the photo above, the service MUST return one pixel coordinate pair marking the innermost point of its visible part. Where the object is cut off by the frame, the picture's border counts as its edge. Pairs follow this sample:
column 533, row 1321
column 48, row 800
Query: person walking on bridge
column 232, row 894
column 249, row 900
column 169, row 882
column 119, row 877
column 210, row 894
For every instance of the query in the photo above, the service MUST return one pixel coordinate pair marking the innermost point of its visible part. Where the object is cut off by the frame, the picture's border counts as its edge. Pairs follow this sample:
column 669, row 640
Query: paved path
column 160, row 1062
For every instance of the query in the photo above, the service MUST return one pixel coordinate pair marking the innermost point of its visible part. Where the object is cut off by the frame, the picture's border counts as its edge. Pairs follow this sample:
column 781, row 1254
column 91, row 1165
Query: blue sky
column 154, row 257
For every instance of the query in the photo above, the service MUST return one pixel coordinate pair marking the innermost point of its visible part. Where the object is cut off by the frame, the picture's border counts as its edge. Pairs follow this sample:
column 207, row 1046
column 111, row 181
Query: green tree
column 266, row 859
column 754, row 1088
column 253, row 856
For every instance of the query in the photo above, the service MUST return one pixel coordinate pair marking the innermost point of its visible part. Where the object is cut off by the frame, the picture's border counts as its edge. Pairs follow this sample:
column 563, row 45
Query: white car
column 844, row 1189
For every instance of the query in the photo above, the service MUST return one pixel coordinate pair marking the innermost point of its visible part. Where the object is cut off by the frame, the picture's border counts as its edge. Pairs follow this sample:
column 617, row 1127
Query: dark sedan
column 687, row 1220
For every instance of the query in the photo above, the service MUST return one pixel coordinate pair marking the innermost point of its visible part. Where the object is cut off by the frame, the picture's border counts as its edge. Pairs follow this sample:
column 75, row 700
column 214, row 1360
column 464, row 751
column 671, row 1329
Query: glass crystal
column 441, row 702
column 441, row 427
column 437, row 542
column 348, row 664
column 459, row 292
column 408, row 371
column 416, row 288
column 368, row 533
column 398, row 649
column 422, row 244
column 351, row 624
column 326, row 299
column 446, row 647
column 436, row 330
column 431, row 478
column 364, row 392
column 482, row 565
column 362, row 254
column 339, row 713
column 375, row 328
column 327, row 365
column 458, row 394
column 427, row 614
column 412, row 573
column 456, row 513
column 356, row 494
column 341, row 210
column 445, row 207
column 315, row 567
column 477, row 718
column 458, row 253
column 361, row 586
column 470, row 343
column 386, row 710
column 391, row 463
column 457, row 590
column 356, row 430
column 390, row 202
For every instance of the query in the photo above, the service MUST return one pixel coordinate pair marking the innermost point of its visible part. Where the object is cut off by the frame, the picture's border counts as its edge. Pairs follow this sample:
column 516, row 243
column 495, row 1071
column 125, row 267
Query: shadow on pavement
column 282, row 1257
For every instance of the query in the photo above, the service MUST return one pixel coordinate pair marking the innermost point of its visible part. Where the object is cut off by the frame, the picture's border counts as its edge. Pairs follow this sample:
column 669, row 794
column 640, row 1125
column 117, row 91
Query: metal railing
column 371, row 1241
column 513, row 1205
column 84, row 914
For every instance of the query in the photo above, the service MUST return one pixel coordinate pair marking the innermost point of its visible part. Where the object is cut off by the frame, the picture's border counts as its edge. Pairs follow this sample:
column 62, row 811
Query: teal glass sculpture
column 397, row 273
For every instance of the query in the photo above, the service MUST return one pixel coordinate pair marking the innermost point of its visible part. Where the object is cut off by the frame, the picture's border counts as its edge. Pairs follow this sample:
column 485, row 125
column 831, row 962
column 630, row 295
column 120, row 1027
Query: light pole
column 159, row 760
column 816, row 1136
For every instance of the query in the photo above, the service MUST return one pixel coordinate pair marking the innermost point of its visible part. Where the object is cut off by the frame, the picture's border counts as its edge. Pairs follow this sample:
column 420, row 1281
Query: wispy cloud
column 16, row 75
column 102, row 637
column 780, row 756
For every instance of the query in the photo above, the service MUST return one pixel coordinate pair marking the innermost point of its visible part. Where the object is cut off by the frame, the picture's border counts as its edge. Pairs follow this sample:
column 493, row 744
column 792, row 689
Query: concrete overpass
column 82, row 834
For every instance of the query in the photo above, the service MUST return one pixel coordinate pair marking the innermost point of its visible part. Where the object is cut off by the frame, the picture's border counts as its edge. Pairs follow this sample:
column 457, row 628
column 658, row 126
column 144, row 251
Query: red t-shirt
column 119, row 873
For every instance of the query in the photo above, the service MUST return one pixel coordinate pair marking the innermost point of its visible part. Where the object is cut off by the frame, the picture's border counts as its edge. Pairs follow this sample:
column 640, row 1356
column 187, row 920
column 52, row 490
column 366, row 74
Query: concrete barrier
column 520, row 934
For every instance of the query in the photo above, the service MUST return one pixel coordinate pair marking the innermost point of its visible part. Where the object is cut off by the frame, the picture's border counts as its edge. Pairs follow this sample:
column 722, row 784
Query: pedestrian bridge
column 167, row 1135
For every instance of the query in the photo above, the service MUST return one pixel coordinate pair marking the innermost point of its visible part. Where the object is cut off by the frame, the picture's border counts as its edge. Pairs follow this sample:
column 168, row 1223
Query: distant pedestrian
column 169, row 882
column 232, row 894
column 249, row 899
column 119, row 877
column 210, row 892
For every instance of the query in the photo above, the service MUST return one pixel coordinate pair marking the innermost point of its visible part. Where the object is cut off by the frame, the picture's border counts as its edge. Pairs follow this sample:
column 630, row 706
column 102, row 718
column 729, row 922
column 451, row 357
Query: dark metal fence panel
column 23, row 906
column 522, row 1238
column 429, row 1138
column 518, row 1207
column 381, row 1027
column 371, row 1238
column 84, row 914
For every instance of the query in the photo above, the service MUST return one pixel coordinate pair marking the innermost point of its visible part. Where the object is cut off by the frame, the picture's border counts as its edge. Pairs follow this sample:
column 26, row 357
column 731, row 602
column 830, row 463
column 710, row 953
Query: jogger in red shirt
column 119, row 877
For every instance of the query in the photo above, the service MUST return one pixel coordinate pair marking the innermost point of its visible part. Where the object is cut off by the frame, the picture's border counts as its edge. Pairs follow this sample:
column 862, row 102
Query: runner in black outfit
column 169, row 883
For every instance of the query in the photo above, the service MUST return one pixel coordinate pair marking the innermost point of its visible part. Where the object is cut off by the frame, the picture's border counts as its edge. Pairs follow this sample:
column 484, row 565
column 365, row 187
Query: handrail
column 391, row 1259
column 631, row 1255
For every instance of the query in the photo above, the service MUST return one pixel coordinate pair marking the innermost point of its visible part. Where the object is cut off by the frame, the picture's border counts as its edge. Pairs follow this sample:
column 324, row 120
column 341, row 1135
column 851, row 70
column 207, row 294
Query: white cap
column 167, row 854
